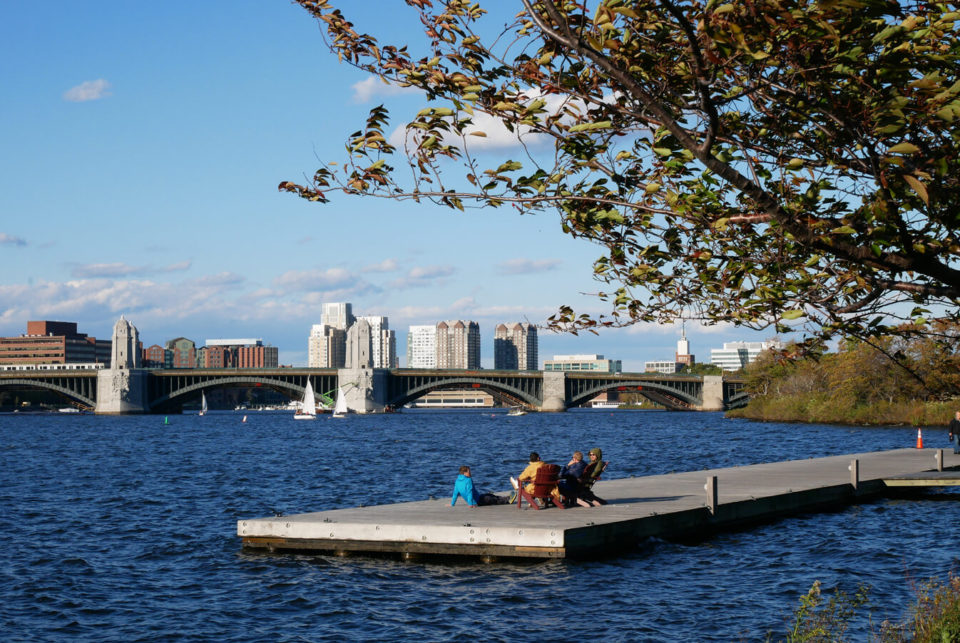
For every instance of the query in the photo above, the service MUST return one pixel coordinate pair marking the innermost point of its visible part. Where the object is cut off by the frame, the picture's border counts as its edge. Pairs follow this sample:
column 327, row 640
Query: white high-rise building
column 383, row 342
column 422, row 347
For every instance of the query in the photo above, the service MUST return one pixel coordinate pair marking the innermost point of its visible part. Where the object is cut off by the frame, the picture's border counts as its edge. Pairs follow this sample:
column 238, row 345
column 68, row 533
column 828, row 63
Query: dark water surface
column 123, row 529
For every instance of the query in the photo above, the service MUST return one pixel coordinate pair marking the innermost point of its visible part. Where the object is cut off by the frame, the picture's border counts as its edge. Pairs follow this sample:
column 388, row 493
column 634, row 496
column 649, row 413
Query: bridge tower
column 122, row 388
column 364, row 387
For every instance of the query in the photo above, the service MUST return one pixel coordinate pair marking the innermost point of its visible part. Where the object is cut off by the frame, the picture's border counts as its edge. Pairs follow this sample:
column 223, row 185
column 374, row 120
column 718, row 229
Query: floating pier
column 677, row 505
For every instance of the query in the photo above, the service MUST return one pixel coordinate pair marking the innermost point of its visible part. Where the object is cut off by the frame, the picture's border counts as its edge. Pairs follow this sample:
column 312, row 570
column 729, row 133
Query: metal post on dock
column 939, row 457
column 712, row 494
column 854, row 473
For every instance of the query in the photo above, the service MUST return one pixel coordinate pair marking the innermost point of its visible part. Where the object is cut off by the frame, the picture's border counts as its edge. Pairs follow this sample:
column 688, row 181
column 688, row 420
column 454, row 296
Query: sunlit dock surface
column 688, row 505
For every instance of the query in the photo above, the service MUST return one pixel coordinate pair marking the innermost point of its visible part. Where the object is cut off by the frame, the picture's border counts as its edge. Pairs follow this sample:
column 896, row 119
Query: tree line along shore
column 893, row 380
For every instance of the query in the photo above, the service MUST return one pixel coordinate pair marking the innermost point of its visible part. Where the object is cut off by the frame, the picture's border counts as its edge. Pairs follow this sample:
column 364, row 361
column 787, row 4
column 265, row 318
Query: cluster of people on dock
column 574, row 485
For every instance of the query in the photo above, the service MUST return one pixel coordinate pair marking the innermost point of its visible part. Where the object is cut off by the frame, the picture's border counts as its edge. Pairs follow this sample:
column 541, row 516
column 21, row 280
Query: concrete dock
column 677, row 505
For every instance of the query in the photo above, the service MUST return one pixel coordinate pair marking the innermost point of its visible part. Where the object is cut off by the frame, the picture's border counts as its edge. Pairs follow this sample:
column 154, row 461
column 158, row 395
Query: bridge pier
column 554, row 391
column 364, row 389
column 712, row 393
column 121, row 391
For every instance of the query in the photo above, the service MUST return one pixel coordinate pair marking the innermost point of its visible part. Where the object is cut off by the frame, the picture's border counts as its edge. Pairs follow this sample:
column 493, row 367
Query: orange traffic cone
column 919, row 439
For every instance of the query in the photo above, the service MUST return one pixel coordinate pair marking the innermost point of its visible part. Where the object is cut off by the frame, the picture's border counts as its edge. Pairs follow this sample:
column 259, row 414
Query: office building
column 241, row 353
column 583, row 363
column 157, row 356
column 735, row 355
column 458, row 344
column 422, row 347
column 515, row 347
column 683, row 356
column 54, row 342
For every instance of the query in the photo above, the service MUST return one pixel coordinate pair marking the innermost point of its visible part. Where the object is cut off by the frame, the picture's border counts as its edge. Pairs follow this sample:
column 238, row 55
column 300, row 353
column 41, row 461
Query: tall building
column 515, row 347
column 338, row 315
column 327, row 347
column 383, row 342
column 54, row 342
column 735, row 355
column 458, row 344
column 580, row 363
column 422, row 347
column 683, row 355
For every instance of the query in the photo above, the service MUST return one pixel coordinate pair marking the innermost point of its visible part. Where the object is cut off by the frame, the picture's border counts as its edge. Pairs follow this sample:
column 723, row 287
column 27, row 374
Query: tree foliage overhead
column 775, row 162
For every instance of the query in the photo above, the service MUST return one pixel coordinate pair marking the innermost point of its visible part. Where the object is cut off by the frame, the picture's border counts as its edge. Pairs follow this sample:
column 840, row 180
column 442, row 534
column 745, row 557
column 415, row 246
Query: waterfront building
column 458, row 344
column 247, row 352
column 54, row 342
column 662, row 366
column 467, row 398
column 383, row 341
column 327, row 347
column 515, row 347
column 589, row 363
column 735, row 355
column 184, row 352
column 157, row 357
column 422, row 347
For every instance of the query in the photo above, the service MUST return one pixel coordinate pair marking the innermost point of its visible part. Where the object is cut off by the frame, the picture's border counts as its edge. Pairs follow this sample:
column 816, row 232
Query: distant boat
column 517, row 410
column 203, row 403
column 308, row 407
column 340, row 408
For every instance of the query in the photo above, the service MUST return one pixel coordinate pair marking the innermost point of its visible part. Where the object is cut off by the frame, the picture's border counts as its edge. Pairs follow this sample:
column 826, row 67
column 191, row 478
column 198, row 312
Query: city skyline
column 155, row 153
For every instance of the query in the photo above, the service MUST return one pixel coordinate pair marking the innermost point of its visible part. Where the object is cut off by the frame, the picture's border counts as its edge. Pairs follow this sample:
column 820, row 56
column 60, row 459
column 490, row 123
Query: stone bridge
column 371, row 390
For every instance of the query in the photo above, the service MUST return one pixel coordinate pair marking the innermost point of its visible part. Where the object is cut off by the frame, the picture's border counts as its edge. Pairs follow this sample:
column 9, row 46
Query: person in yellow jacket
column 528, row 475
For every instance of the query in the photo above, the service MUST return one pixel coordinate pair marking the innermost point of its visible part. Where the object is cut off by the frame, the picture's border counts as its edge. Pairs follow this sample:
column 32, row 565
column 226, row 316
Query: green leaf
column 792, row 314
column 843, row 230
column 904, row 148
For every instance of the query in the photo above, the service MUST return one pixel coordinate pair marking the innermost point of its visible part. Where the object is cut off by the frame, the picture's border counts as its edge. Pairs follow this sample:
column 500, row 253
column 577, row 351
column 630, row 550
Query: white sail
column 203, row 403
column 340, row 408
column 308, row 407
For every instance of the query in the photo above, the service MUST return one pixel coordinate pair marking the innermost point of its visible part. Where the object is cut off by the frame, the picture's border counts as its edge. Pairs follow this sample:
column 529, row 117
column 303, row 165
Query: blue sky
column 142, row 144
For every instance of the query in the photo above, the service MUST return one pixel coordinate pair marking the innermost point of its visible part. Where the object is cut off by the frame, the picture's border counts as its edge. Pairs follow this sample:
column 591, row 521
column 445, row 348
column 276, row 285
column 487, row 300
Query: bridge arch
column 63, row 391
column 409, row 387
column 661, row 393
column 292, row 386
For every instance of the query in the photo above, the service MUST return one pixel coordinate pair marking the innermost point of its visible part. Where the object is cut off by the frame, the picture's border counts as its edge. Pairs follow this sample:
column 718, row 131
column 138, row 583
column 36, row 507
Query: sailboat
column 308, row 407
column 203, row 403
column 340, row 408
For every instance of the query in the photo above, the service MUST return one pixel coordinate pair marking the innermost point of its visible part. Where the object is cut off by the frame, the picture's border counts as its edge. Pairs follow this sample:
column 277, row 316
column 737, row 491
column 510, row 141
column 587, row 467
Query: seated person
column 464, row 488
column 530, row 473
column 570, row 475
column 590, row 475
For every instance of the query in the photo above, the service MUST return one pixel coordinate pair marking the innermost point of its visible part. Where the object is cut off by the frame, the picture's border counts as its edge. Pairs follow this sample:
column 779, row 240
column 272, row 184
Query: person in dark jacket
column 955, row 432
column 570, row 476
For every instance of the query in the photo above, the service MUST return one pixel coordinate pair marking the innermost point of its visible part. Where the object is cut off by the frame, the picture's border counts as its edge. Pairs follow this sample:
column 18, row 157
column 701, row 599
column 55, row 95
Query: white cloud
column 527, row 266
column 88, row 90
column 422, row 277
column 373, row 87
column 315, row 280
column 10, row 240
column 92, row 270
column 387, row 265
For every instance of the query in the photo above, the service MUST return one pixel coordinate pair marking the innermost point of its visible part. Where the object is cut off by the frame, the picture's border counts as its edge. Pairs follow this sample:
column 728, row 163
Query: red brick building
column 54, row 342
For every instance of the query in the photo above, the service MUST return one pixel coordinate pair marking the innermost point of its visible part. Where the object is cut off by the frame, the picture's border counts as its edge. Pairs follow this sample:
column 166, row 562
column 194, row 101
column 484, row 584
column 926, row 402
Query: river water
column 124, row 529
